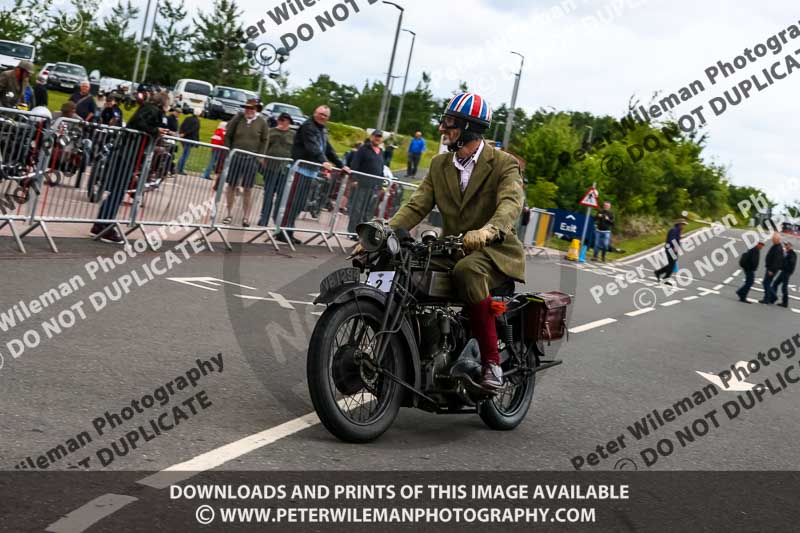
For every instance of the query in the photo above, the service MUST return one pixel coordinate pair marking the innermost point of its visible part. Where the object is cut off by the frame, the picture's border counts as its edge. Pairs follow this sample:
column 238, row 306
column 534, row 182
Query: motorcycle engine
column 440, row 334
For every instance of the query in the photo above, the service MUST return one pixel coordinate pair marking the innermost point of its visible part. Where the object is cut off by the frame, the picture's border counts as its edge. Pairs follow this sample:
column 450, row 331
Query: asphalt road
column 636, row 351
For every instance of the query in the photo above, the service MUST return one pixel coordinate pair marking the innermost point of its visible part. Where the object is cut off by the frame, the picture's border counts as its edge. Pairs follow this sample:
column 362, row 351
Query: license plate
column 381, row 280
column 338, row 278
column 68, row 85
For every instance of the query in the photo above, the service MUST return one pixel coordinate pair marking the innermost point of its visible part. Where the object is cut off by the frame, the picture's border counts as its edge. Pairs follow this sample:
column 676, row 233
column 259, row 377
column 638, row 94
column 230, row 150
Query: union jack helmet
column 472, row 108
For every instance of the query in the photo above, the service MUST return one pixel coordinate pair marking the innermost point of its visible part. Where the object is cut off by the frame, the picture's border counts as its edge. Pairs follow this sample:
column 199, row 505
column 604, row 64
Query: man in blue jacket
column 672, row 248
column 415, row 150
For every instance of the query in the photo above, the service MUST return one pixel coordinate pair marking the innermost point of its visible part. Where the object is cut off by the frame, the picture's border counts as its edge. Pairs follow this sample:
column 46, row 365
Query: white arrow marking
column 734, row 385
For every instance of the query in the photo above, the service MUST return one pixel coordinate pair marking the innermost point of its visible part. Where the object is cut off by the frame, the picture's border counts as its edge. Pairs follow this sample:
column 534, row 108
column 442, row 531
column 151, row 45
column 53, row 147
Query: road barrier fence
column 68, row 171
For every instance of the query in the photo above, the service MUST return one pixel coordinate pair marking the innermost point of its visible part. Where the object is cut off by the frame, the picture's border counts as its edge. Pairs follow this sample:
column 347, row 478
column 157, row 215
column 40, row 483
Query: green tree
column 217, row 44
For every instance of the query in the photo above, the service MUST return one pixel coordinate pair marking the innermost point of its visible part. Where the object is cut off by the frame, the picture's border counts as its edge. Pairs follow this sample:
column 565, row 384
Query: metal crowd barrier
column 94, row 174
column 24, row 139
column 248, row 191
column 72, row 171
column 182, row 173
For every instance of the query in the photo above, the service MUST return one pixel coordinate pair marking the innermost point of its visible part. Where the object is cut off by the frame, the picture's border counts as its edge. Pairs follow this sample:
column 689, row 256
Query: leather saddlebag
column 547, row 315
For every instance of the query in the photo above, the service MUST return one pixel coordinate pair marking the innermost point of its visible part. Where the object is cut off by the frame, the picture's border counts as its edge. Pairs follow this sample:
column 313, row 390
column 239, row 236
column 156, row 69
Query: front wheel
column 508, row 408
column 355, row 401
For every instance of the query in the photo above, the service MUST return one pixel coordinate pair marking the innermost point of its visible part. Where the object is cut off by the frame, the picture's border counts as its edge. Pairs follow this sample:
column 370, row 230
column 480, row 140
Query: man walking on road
column 773, row 265
column 368, row 160
column 749, row 264
column 787, row 269
column 415, row 151
column 672, row 248
column 604, row 221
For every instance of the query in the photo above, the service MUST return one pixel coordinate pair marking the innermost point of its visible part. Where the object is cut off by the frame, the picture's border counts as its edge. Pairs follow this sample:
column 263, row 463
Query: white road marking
column 276, row 300
column 737, row 272
column 214, row 458
column 318, row 313
column 704, row 292
column 670, row 303
column 280, row 300
column 734, row 384
column 728, row 280
column 592, row 325
column 690, row 298
column 718, row 287
column 641, row 311
column 214, row 282
column 754, row 301
column 90, row 513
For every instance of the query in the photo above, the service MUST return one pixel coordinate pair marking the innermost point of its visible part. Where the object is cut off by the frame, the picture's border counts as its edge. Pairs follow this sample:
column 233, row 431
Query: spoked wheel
column 354, row 399
column 508, row 408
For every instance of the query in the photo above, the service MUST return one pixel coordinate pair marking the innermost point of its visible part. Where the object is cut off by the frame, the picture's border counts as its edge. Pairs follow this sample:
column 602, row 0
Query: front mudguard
column 346, row 293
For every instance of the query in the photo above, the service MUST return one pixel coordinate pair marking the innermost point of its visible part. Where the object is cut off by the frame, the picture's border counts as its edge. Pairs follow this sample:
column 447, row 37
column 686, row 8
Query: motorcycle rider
column 13, row 84
column 479, row 192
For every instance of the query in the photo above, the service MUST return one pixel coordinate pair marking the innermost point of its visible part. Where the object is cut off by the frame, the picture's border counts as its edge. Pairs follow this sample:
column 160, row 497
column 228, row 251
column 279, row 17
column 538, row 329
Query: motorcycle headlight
column 393, row 244
column 371, row 236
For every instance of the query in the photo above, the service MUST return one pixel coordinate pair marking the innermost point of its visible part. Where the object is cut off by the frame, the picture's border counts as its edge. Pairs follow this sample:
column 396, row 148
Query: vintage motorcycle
column 399, row 339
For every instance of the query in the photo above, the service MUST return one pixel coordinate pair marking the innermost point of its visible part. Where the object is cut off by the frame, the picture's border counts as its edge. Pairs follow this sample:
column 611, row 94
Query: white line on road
column 280, row 300
column 704, row 292
column 670, row 303
column 690, row 298
column 592, row 325
column 728, row 280
column 214, row 458
column 90, row 513
column 641, row 311
column 737, row 272
column 718, row 287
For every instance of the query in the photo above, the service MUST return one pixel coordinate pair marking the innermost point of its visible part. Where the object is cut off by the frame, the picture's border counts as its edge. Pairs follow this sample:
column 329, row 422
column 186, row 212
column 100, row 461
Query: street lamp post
column 405, row 81
column 384, row 107
column 510, row 123
column 496, row 127
column 141, row 41
column 149, row 44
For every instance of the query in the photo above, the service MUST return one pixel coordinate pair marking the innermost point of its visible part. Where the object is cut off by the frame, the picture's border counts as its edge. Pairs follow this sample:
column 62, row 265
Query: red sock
column 481, row 322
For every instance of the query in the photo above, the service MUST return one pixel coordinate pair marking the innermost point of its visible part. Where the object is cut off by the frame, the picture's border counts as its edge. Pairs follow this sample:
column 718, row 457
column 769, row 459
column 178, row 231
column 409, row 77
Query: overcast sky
column 586, row 55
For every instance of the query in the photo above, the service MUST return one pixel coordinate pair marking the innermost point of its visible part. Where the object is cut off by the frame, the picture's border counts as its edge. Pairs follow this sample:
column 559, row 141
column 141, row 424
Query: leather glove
column 356, row 251
column 479, row 238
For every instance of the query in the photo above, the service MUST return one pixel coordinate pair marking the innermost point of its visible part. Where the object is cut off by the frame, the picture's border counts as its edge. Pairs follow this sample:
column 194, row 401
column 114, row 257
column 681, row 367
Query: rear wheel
column 508, row 408
column 355, row 401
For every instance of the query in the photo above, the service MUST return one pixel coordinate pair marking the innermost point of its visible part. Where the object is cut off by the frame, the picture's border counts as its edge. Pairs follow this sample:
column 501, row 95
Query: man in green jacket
column 247, row 131
column 478, row 190
column 279, row 145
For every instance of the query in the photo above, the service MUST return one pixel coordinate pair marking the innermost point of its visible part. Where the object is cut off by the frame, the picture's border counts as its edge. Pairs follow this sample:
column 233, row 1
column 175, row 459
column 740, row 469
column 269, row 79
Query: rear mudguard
column 346, row 293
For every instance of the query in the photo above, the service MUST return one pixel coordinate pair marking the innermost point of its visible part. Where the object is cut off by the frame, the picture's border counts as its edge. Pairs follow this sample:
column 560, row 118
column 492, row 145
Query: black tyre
column 354, row 401
column 508, row 409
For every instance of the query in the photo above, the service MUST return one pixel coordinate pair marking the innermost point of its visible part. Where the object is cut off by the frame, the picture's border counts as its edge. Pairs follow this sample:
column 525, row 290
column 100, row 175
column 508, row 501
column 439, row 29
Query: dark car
column 274, row 109
column 66, row 77
column 225, row 102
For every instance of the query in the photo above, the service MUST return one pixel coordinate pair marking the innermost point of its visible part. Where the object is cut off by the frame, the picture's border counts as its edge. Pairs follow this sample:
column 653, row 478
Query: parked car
column 274, row 109
column 109, row 85
column 225, row 102
column 66, row 77
column 190, row 95
column 12, row 52
column 44, row 72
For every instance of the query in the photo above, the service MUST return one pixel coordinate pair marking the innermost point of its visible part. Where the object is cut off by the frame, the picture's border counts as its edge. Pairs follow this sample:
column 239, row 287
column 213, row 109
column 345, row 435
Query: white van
column 12, row 52
column 191, row 94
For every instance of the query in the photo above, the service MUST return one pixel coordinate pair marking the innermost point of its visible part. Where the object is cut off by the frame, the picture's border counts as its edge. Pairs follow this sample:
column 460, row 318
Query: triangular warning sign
column 590, row 199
